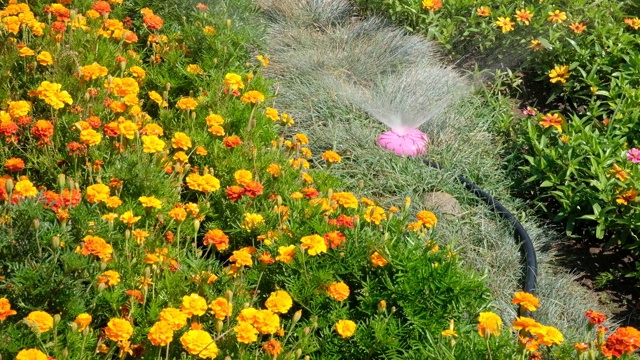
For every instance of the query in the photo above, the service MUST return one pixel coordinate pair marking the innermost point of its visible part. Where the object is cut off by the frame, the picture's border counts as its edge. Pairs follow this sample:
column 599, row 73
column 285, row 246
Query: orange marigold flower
column 625, row 340
column 181, row 140
column 42, row 129
column 526, row 300
column 14, row 165
column 109, row 278
column 334, row 239
column 187, row 103
column 102, row 7
column 253, row 97
column 286, row 254
column 216, row 237
column 118, row 330
column 596, row 318
column 524, row 323
column 152, row 21
column 272, row 347
column 279, row 302
column 221, row 308
column 346, row 328
column 346, row 199
column 40, row 321
column 95, row 245
column 524, row 16
column 331, row 157
column 633, row 22
column 578, row 27
column 5, row 309
column 231, row 141
column 377, row 260
column 338, row 291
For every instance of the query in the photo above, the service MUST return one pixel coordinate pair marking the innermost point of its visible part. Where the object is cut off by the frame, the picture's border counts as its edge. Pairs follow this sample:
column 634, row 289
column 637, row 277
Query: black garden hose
column 520, row 232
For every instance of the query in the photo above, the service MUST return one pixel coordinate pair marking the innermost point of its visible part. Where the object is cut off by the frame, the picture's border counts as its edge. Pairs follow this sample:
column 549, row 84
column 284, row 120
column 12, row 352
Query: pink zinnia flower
column 529, row 111
column 633, row 155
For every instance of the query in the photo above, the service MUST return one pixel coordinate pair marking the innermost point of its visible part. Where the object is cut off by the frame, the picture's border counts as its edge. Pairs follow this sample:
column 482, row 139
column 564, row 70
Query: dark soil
column 602, row 271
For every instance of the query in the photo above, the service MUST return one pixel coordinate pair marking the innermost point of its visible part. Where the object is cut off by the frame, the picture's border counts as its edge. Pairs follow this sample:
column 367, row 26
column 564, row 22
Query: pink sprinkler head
column 411, row 142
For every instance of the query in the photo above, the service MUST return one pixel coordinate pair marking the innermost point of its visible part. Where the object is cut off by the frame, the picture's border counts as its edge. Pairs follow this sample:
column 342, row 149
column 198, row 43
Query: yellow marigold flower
column 152, row 129
column 157, row 98
column 201, row 150
column 252, row 221
column 25, row 188
column 150, row 202
column 489, row 324
column 194, row 69
column 118, row 330
column 214, row 119
column 128, row 218
column 246, row 333
column 45, row 58
column 187, row 103
column 524, row 16
column 526, row 300
column 374, row 214
column 113, row 202
column 26, row 51
column 174, row 317
column 200, row 343
column 483, row 11
column 279, row 302
column 152, row 144
column 137, row 72
column 266, row 322
column 221, row 308
column 90, row 137
column 339, row 291
column 286, row 253
column 346, row 199
column 139, row 235
column 53, row 95
column 331, row 156
column 233, row 81
column 346, row 328
column 427, row 218
column 5, row 309
column 557, row 16
column 31, row 354
column 241, row 257
column 181, row 140
column 209, row 30
column 633, row 22
column 431, row 5
column 93, row 71
column 128, row 128
column 377, row 260
column 547, row 335
column 252, row 96
column 178, row 213
column 160, row 334
column 206, row 183
column 181, row 156
column 274, row 170
column 92, row 14
column 40, row 321
column 559, row 73
column 314, row 244
column 109, row 278
column 193, row 304
column 123, row 86
column 243, row 177
column 272, row 114
column 19, row 108
column 505, row 24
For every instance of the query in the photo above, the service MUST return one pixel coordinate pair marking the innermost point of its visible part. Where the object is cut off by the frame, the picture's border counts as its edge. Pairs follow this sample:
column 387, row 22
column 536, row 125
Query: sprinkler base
column 411, row 143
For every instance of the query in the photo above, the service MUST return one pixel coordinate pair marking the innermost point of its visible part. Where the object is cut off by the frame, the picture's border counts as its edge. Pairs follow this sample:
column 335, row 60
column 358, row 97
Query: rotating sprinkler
column 422, row 94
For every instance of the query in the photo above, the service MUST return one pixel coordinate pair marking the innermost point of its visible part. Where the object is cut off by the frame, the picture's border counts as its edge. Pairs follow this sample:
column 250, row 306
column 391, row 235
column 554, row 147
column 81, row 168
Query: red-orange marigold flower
column 14, row 165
